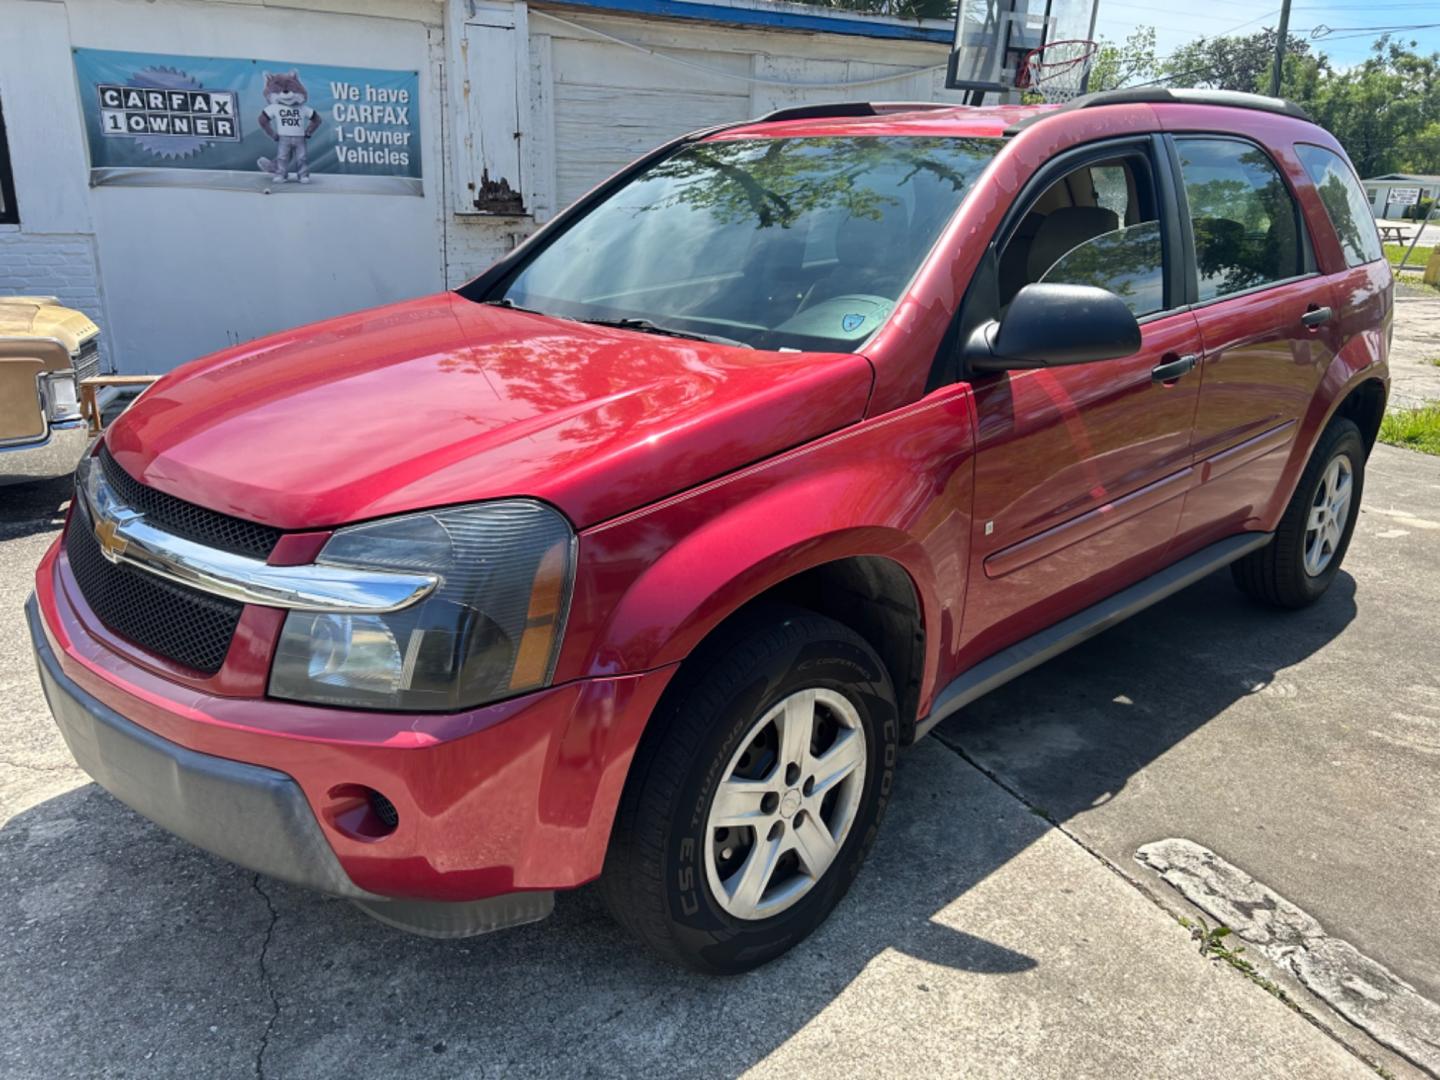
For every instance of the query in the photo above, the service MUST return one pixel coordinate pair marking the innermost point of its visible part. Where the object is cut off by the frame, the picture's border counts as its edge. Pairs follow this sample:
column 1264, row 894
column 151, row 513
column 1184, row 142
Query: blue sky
column 1176, row 23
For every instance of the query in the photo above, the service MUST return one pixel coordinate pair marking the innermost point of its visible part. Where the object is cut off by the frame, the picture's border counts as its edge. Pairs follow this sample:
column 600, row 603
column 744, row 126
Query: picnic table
column 1392, row 234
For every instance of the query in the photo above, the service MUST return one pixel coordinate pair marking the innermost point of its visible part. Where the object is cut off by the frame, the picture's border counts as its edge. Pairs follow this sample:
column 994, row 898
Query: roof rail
column 1158, row 95
column 849, row 108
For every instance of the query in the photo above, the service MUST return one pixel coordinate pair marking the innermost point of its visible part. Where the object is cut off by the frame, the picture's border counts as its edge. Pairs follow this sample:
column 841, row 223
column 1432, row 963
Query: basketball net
column 1056, row 72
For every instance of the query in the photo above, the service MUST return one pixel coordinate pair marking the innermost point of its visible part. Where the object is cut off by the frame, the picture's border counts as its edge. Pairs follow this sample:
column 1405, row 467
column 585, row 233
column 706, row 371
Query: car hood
column 440, row 400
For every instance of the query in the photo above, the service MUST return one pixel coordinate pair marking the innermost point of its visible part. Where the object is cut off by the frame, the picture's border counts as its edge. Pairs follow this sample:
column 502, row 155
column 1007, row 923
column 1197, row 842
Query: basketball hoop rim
column 1022, row 74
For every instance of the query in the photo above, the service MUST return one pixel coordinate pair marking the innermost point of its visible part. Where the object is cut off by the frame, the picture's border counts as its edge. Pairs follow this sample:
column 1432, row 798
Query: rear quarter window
column 1344, row 201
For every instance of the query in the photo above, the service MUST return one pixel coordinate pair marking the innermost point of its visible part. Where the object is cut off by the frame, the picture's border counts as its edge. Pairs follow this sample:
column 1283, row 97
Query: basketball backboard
column 993, row 36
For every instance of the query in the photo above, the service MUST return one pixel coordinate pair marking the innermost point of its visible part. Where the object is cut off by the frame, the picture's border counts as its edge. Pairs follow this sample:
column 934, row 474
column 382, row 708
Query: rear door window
column 1344, row 201
column 1245, row 221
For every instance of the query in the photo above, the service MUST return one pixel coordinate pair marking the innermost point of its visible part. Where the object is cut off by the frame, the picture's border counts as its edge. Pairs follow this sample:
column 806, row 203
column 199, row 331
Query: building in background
column 1396, row 195
column 194, row 174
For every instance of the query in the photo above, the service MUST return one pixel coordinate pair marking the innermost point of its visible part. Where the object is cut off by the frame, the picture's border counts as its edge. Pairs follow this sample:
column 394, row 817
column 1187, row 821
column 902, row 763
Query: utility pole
column 1281, row 40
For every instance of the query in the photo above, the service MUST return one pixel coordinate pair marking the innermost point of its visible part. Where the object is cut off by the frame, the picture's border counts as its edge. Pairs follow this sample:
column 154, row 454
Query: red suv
column 640, row 556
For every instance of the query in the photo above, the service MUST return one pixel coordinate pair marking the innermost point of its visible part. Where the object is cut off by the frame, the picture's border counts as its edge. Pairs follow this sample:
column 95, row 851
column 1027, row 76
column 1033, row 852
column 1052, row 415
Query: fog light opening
column 362, row 812
column 384, row 810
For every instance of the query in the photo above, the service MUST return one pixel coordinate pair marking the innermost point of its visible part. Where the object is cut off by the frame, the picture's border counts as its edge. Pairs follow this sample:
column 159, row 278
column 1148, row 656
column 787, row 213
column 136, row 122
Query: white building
column 518, row 108
column 1393, row 194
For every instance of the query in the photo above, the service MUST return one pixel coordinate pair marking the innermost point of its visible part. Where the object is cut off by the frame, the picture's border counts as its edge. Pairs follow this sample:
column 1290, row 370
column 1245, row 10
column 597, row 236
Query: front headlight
column 62, row 401
column 490, row 629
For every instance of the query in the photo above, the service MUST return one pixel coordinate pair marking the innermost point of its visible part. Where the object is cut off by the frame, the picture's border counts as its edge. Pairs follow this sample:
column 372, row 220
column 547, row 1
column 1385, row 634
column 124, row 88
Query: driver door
column 1080, row 471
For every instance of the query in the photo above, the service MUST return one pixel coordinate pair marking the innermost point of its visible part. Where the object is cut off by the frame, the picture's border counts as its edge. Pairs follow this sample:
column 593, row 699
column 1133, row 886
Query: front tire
column 1295, row 569
column 753, row 801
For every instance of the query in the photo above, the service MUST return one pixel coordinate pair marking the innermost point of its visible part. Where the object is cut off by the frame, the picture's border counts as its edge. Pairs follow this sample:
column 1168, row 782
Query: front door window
column 1098, row 225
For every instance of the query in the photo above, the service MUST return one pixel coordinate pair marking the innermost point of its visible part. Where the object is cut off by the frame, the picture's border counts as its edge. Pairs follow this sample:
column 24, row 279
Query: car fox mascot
column 288, row 120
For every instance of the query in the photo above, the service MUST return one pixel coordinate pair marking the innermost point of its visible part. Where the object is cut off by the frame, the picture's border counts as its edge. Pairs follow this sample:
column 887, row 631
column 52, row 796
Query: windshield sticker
column 851, row 323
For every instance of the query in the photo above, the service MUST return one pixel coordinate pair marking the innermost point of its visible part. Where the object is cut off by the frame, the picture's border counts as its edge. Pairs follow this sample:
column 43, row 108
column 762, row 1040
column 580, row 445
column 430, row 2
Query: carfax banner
column 251, row 125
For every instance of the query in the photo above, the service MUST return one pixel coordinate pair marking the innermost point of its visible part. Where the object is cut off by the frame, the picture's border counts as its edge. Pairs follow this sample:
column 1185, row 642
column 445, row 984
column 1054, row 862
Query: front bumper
column 48, row 458
column 249, row 814
column 512, row 798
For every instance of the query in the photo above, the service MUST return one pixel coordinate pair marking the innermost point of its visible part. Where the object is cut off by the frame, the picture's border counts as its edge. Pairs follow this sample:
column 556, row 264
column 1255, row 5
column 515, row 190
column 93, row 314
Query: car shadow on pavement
column 139, row 953
column 28, row 509
column 129, row 951
column 1074, row 733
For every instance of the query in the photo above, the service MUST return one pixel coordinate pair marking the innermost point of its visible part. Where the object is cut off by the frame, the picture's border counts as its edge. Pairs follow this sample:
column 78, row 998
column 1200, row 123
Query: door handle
column 1173, row 369
column 1316, row 316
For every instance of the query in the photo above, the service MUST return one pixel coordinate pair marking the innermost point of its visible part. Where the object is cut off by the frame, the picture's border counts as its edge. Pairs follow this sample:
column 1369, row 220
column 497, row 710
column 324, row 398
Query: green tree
column 1420, row 151
column 1121, row 64
column 1383, row 110
column 904, row 9
column 1233, row 63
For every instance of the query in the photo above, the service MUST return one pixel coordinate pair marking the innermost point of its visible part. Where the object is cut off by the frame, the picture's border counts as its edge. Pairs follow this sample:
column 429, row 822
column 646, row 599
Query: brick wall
column 53, row 264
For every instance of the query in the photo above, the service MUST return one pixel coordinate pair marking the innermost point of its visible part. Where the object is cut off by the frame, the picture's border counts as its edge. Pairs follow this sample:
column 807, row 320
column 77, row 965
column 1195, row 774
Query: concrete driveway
column 1002, row 928
column 1415, row 349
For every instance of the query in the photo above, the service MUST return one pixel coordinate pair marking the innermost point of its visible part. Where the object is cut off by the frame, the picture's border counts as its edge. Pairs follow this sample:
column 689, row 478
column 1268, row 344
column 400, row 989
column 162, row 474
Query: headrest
column 1065, row 229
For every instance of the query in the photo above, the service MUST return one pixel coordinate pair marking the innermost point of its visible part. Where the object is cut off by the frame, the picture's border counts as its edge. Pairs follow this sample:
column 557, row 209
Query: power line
column 1218, row 34
column 1323, row 32
column 1427, row 6
column 1151, row 7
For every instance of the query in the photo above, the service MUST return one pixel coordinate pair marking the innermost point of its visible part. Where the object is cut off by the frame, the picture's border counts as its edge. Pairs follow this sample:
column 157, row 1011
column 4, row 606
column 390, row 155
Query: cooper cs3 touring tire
column 756, row 795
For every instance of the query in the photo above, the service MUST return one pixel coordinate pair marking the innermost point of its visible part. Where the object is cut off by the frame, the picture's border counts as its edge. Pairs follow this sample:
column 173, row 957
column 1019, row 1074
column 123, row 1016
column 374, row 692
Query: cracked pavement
column 1415, row 377
column 981, row 939
column 267, row 983
column 1365, row 992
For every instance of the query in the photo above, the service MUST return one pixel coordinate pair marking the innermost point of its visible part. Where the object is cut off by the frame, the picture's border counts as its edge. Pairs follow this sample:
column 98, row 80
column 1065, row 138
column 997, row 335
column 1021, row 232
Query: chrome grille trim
column 126, row 538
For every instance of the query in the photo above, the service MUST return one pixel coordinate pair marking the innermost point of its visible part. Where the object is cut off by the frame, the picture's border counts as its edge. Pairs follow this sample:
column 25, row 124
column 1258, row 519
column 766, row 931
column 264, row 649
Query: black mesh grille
column 208, row 527
column 384, row 810
column 180, row 624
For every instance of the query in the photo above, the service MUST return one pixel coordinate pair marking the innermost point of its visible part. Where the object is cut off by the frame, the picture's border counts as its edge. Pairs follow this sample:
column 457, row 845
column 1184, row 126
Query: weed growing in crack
column 1212, row 946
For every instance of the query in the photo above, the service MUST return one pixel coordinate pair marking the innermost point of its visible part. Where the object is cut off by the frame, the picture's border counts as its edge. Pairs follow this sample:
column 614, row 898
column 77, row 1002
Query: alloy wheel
column 1329, row 513
column 785, row 803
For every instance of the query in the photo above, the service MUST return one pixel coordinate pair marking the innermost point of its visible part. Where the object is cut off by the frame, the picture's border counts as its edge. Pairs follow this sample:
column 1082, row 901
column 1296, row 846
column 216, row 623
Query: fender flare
column 709, row 573
column 1349, row 369
column 1342, row 378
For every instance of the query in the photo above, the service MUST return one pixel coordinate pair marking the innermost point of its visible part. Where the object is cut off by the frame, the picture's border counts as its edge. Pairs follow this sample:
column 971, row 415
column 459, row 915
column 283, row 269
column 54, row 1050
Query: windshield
column 802, row 243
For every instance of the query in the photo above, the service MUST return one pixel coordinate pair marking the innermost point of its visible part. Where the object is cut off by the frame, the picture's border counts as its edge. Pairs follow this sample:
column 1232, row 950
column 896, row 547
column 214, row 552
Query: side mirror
column 1050, row 325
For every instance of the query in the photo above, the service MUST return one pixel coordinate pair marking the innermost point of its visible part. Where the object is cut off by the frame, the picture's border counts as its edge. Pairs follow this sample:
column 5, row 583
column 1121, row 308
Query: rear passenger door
column 1267, row 328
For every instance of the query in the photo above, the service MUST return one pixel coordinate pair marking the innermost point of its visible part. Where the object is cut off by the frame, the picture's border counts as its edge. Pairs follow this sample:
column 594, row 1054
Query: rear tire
column 1295, row 569
column 728, row 899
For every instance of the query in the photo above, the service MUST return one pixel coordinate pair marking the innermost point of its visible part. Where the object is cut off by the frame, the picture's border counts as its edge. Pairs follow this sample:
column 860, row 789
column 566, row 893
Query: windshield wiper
column 645, row 326
column 506, row 302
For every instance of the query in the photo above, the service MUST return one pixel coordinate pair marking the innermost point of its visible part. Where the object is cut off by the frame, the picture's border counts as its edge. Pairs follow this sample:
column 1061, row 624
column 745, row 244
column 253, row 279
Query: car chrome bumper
column 48, row 458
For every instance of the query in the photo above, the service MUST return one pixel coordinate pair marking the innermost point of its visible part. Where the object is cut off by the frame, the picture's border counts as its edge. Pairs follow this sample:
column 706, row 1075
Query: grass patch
column 1414, row 429
column 1418, row 258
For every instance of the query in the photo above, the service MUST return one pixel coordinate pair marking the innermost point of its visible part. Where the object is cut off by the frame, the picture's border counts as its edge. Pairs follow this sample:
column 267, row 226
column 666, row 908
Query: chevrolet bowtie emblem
column 112, row 544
